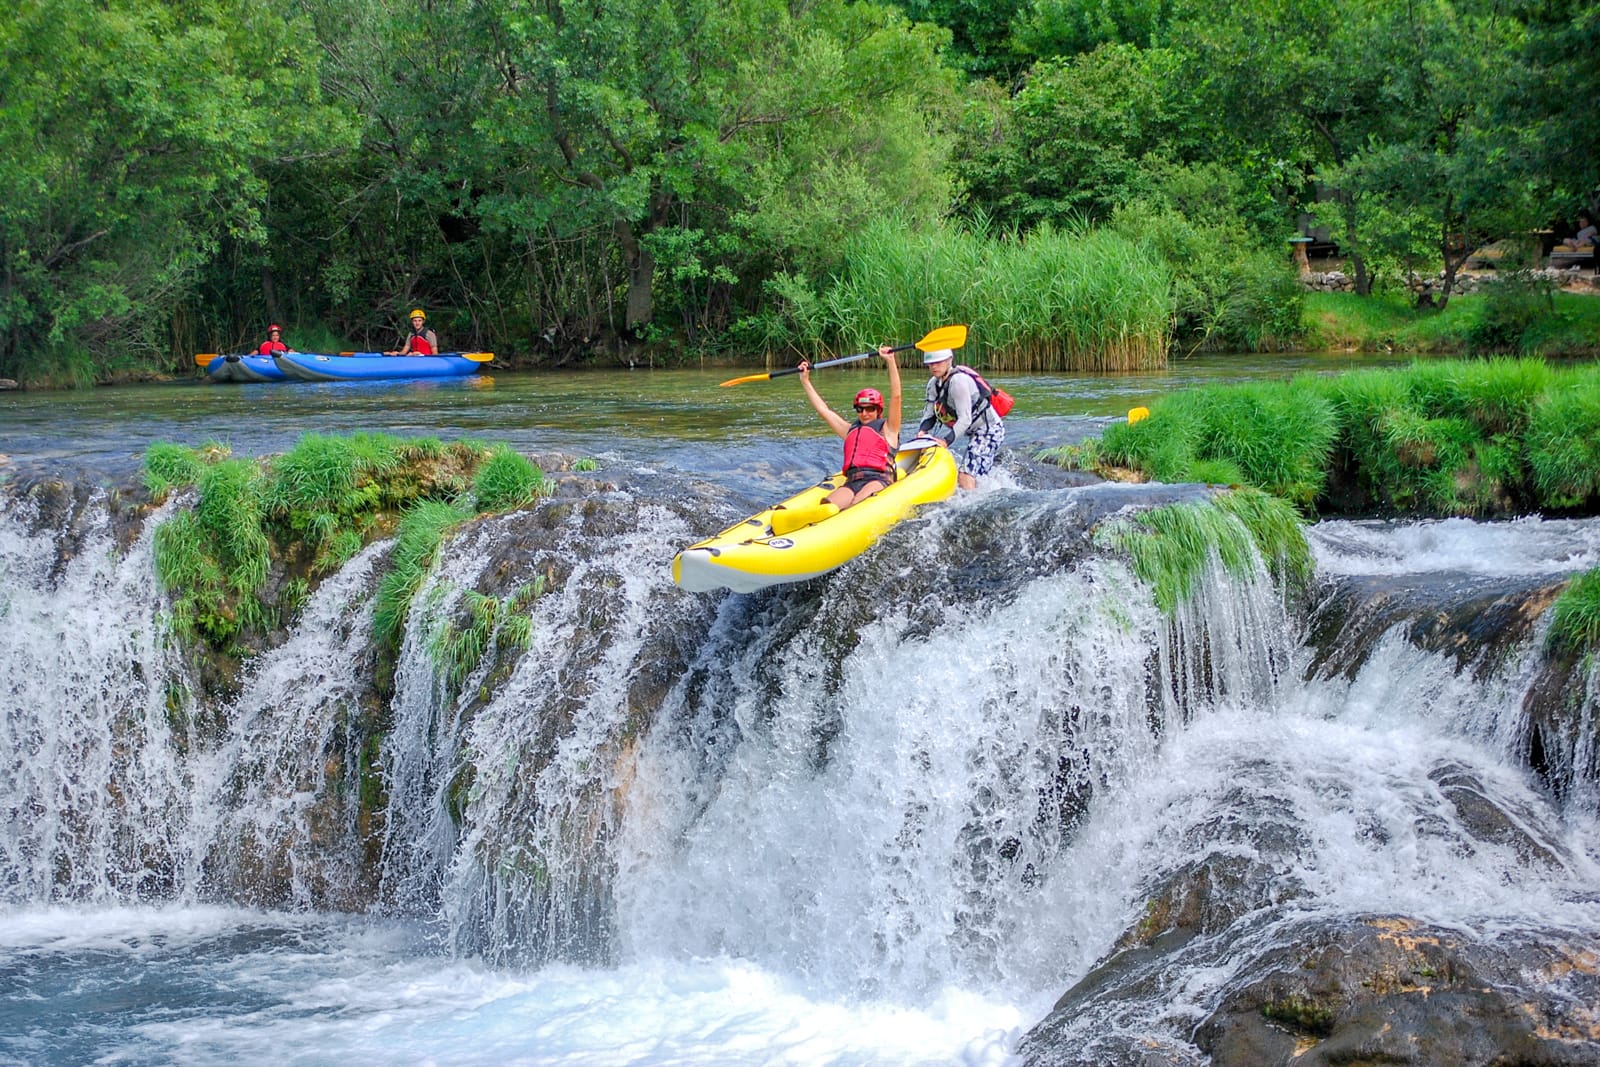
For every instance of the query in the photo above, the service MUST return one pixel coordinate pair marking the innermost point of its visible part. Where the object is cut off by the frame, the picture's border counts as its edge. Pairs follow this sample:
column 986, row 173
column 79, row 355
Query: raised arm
column 835, row 421
column 891, row 416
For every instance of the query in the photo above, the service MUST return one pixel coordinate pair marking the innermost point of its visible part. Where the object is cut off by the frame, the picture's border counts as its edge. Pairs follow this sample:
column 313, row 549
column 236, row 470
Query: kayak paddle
column 944, row 337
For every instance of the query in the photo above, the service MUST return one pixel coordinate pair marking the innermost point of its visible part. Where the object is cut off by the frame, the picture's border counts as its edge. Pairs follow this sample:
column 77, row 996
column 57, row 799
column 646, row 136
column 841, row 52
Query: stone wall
column 1337, row 281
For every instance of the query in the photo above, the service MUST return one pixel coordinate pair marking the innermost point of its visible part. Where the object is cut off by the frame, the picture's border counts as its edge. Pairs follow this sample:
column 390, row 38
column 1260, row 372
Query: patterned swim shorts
column 983, row 446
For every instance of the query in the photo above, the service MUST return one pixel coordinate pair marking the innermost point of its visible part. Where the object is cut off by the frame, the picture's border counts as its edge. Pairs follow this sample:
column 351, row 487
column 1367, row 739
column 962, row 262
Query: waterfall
column 276, row 797
column 123, row 781
column 94, row 794
column 977, row 757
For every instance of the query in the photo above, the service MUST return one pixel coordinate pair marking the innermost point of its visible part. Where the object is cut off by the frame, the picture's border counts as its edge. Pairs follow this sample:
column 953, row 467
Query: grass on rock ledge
column 307, row 512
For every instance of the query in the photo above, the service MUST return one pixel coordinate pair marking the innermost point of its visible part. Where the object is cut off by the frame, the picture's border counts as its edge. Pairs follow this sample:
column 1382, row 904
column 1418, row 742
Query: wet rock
column 1391, row 990
column 1477, row 619
column 1222, row 970
column 1560, row 708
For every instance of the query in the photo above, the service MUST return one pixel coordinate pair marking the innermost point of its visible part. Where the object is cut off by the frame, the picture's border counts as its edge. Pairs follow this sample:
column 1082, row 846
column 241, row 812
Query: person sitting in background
column 274, row 342
column 421, row 341
column 1584, row 238
column 1586, row 235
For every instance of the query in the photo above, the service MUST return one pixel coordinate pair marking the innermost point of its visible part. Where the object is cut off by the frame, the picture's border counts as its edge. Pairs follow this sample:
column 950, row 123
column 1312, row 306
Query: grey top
column 961, row 397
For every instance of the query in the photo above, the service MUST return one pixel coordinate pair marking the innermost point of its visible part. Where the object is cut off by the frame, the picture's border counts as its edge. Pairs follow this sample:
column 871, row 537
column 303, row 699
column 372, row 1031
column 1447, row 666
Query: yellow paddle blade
column 478, row 357
column 944, row 337
column 747, row 378
column 1138, row 415
column 202, row 358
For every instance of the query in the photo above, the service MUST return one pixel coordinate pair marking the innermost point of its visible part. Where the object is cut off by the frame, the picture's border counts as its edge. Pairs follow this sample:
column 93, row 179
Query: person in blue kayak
column 869, row 442
column 957, row 402
column 421, row 341
column 274, row 342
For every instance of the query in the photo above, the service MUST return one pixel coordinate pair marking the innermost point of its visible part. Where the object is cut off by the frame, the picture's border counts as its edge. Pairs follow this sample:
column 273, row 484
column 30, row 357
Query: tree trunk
column 641, row 266
column 269, row 295
column 1358, row 263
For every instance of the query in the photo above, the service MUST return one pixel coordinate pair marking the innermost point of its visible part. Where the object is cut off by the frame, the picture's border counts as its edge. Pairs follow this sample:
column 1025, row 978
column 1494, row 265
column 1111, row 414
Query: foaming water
column 222, row 986
column 1524, row 546
column 870, row 820
column 89, row 769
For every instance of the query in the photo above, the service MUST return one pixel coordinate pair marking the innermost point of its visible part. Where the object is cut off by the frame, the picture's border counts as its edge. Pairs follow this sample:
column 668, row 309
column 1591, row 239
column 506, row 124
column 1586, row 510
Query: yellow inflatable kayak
column 749, row 555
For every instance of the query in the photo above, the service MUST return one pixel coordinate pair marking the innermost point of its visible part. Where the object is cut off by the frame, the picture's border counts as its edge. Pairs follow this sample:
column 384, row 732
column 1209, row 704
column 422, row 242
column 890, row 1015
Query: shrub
column 1512, row 309
column 506, row 480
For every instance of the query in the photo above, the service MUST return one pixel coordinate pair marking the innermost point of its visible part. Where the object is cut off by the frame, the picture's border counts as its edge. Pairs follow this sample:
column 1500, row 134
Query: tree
column 1435, row 151
column 133, row 132
column 660, row 122
column 1076, row 137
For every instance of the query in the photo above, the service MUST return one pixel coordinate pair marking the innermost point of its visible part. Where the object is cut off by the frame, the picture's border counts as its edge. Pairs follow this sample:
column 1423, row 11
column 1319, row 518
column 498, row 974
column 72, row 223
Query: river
column 673, row 416
column 834, row 853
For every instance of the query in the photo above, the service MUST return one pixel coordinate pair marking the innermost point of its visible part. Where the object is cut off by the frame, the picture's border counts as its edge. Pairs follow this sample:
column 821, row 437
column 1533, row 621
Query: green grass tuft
column 168, row 466
column 1575, row 618
column 506, row 480
column 1171, row 547
column 422, row 530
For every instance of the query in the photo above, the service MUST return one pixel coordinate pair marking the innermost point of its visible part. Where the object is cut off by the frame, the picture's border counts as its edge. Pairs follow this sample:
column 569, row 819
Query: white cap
column 938, row 355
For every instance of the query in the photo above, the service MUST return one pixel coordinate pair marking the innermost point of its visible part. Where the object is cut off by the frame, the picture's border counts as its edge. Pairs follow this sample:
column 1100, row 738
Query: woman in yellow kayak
column 869, row 442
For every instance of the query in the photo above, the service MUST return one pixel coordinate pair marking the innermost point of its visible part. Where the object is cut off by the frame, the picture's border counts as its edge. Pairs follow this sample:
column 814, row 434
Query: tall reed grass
column 1053, row 300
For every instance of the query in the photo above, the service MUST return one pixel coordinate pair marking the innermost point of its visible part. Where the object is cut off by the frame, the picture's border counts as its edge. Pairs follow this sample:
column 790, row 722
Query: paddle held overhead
column 944, row 337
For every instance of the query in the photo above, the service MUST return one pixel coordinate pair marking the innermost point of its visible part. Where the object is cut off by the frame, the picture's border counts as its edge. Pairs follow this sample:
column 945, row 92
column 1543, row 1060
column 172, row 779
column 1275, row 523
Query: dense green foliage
column 306, row 512
column 560, row 182
column 1484, row 438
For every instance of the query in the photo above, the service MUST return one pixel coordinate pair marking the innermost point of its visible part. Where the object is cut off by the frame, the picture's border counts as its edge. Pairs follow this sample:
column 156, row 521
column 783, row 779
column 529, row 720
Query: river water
column 767, row 910
column 680, row 417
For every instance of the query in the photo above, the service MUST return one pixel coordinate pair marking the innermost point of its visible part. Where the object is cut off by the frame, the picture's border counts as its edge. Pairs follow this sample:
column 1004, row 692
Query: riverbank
column 1568, row 327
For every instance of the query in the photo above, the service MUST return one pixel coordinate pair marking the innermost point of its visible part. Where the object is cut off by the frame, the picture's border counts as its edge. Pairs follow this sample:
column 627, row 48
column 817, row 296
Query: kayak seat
column 787, row 520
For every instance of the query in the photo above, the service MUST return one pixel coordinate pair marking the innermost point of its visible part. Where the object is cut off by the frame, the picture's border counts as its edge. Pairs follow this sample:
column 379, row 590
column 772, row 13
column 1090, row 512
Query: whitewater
column 867, row 822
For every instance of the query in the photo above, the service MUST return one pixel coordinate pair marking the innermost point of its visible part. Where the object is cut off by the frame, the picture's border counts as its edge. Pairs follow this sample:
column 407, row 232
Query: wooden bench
column 1578, row 257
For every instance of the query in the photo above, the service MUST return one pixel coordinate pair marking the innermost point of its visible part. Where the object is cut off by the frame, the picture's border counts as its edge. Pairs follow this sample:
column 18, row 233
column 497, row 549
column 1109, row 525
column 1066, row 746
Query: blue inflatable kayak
column 244, row 369
column 367, row 366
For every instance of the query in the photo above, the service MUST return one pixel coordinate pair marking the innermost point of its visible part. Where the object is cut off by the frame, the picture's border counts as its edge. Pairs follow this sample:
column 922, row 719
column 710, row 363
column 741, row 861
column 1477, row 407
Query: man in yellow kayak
column 869, row 443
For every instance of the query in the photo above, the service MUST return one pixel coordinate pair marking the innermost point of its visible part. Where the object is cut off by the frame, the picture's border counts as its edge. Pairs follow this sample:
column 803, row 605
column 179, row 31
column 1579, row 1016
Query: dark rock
column 1319, row 988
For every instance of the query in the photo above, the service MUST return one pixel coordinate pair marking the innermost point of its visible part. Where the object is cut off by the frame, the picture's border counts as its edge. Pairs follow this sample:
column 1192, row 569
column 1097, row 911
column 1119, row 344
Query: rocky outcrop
column 1231, row 966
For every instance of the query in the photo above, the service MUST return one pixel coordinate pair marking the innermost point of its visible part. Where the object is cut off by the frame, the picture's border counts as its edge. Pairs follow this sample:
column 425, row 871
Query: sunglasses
column 868, row 407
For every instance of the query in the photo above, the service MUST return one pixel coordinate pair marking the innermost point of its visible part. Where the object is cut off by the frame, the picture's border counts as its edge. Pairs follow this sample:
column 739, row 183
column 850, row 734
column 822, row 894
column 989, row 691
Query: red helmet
column 869, row 397
column 274, row 326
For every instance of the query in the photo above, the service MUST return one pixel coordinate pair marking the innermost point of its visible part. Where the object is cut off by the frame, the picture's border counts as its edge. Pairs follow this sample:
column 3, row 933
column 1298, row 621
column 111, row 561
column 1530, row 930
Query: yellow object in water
column 758, row 551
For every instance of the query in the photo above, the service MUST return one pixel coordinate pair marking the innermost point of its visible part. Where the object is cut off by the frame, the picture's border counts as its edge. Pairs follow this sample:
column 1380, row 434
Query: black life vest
column 941, row 398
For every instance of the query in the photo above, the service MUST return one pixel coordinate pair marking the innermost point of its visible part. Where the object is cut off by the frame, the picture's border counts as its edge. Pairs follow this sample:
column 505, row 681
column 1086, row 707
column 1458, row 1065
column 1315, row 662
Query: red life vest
column 866, row 448
column 269, row 347
column 420, row 345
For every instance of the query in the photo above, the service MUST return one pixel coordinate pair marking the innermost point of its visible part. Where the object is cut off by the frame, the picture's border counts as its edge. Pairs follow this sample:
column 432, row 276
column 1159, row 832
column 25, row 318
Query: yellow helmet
column 416, row 313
